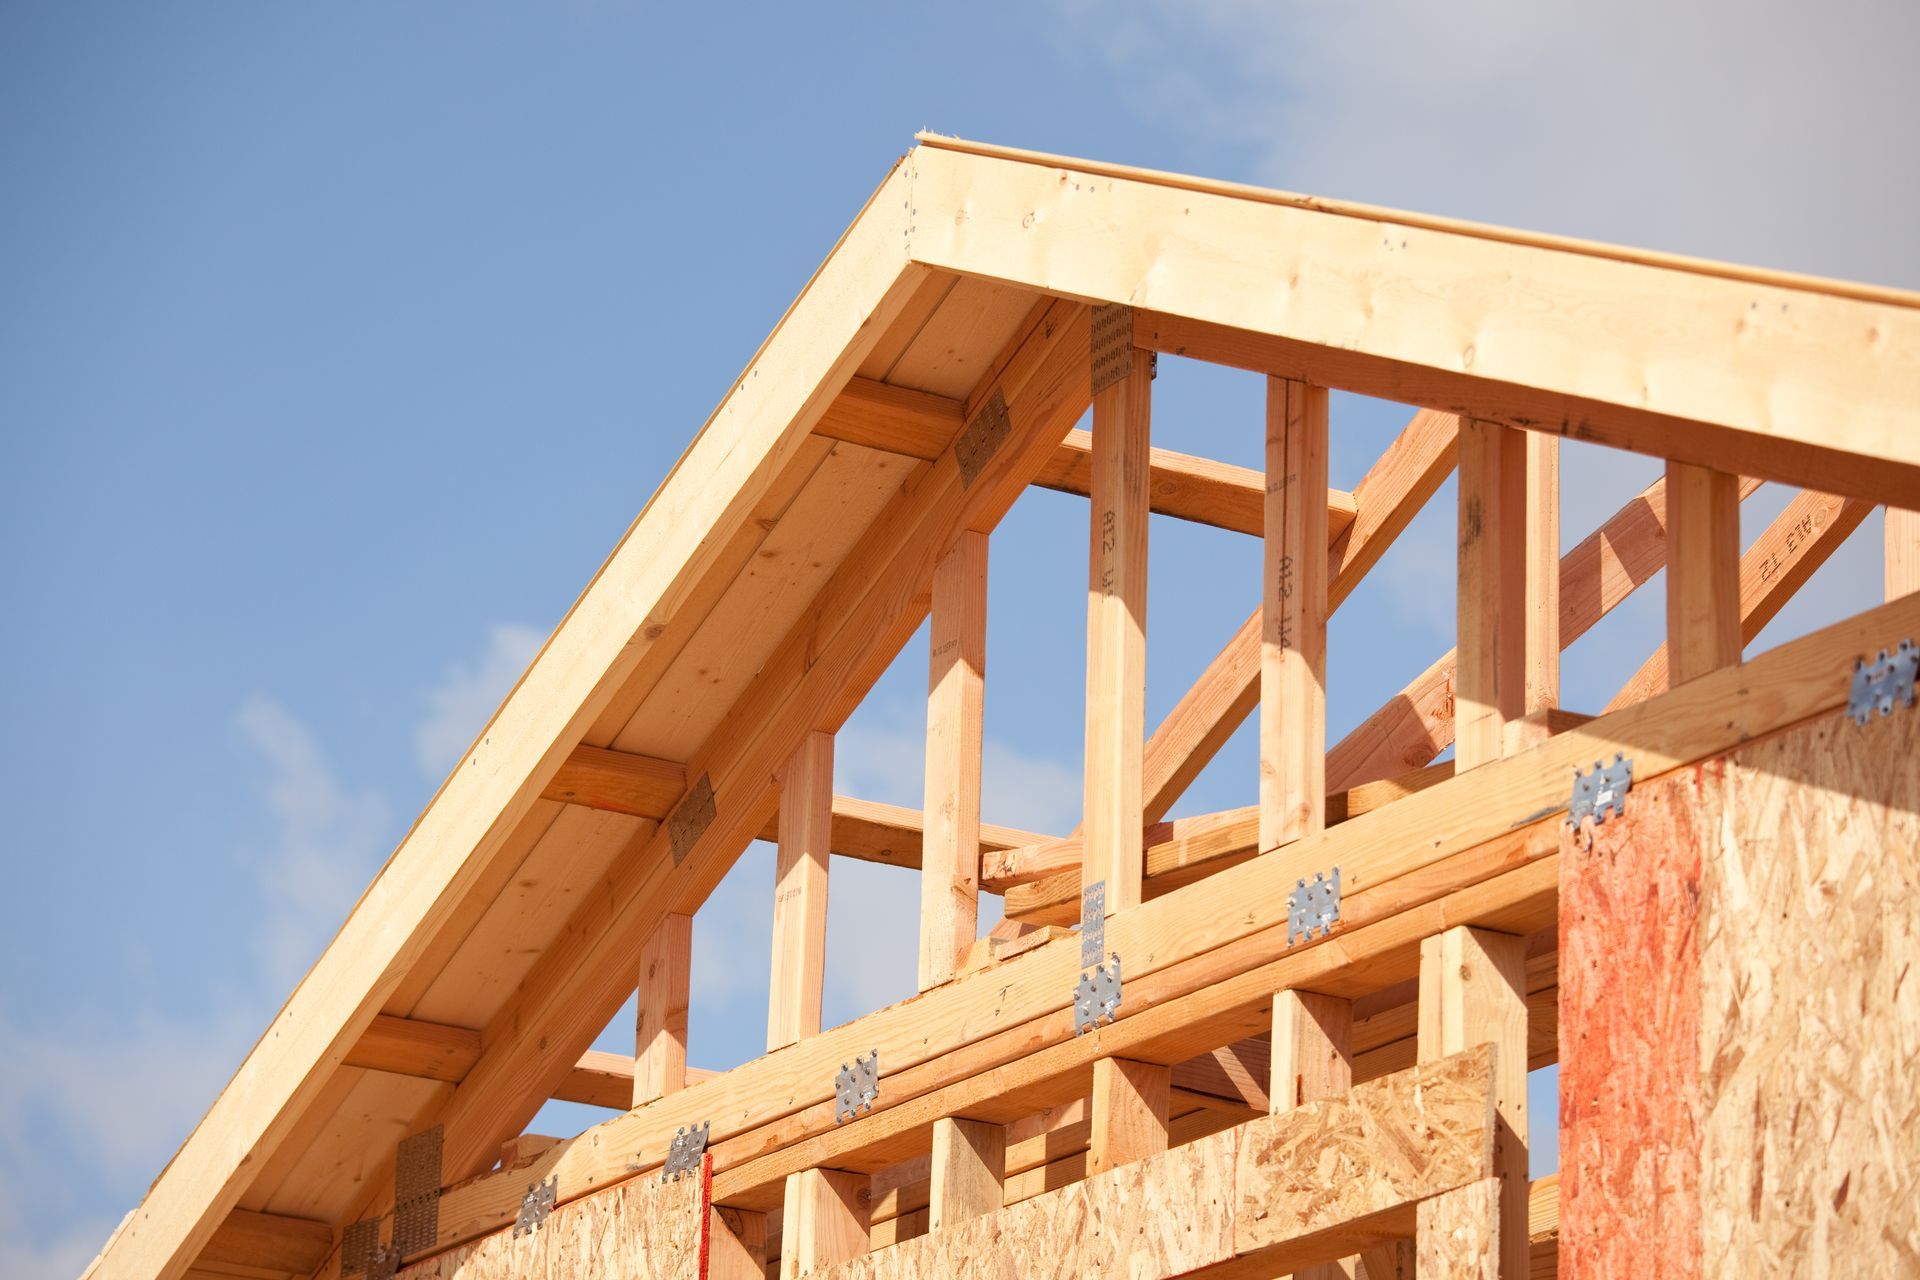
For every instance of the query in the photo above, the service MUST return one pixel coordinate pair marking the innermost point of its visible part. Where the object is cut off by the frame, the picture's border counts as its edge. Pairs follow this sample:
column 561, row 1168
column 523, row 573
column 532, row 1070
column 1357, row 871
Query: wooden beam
column 1129, row 1112
column 1903, row 552
column 919, row 425
column 736, row 1244
column 618, row 782
column 624, row 782
column 268, row 1242
column 1490, row 667
column 1312, row 1050
column 1293, row 646
column 1117, row 628
column 950, row 860
column 1473, row 990
column 660, row 1026
column 824, row 1221
column 800, row 893
column 1535, row 493
column 435, row 1051
column 1703, row 571
column 1312, row 1061
column 1788, row 552
column 969, row 1164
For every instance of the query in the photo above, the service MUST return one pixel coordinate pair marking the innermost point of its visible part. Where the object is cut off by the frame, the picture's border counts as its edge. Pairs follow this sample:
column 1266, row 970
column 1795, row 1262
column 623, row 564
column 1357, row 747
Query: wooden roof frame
column 1775, row 376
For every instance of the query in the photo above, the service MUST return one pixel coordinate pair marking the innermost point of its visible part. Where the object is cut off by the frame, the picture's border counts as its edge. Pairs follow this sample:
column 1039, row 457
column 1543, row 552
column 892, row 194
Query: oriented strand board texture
column 642, row 1229
column 1810, row 1005
column 1328, row 1165
column 1163, row 1216
column 1741, row 1075
column 1629, row 1024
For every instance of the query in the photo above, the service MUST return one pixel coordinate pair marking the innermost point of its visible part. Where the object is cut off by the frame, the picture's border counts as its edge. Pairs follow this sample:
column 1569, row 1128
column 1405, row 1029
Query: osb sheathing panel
column 1331, row 1165
column 1810, row 1005
column 1741, row 1077
column 642, row 1229
column 1159, row 1217
column 1629, row 1031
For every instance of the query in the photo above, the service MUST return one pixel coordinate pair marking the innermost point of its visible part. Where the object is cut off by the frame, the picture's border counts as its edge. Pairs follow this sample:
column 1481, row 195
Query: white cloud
column 325, row 843
column 122, row 1096
column 1761, row 132
column 460, row 705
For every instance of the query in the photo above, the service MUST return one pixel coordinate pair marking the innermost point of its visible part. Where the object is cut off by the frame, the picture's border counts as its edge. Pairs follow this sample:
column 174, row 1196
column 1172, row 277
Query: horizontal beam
column 920, row 425
column 268, row 1242
column 437, row 1051
column 644, row 787
column 1805, row 382
column 1178, row 852
column 1209, row 957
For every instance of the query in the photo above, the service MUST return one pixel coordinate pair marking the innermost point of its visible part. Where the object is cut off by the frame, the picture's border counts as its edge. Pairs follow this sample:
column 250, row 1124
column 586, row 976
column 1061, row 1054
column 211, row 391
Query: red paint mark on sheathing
column 1630, row 1093
column 706, row 1210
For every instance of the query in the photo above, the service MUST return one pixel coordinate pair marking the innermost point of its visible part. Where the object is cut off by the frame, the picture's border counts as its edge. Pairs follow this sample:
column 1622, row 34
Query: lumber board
column 1788, row 551
column 268, row 1242
column 770, row 1111
column 957, row 662
column 1117, row 635
column 1200, row 490
column 1293, row 607
column 964, row 1174
column 1492, row 609
column 664, row 987
column 800, row 893
column 815, row 534
column 1129, row 1115
column 1816, row 386
column 1703, row 571
column 757, row 430
column 1473, row 990
column 1902, row 565
column 1182, row 851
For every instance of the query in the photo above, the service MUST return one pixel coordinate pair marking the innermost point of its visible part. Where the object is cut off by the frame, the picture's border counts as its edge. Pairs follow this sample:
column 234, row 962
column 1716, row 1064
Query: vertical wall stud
column 950, row 849
column 660, row 1028
column 969, row 1166
column 1903, row 552
column 1293, row 649
column 1703, row 571
column 1473, row 990
column 800, row 893
column 823, row 1221
column 1117, row 615
column 1130, row 1102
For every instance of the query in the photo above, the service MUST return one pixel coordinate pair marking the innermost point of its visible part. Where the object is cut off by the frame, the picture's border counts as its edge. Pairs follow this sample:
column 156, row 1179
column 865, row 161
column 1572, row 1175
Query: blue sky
column 339, row 343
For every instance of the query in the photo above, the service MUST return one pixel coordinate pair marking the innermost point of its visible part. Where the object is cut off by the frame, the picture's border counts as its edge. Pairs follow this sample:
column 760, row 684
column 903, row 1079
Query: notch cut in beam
column 645, row 787
column 921, row 425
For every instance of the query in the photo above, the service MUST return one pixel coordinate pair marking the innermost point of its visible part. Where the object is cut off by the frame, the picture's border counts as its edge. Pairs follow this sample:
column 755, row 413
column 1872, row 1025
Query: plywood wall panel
column 1740, row 1018
column 1810, row 1005
column 1629, row 1024
column 643, row 1229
